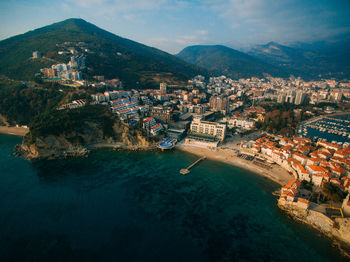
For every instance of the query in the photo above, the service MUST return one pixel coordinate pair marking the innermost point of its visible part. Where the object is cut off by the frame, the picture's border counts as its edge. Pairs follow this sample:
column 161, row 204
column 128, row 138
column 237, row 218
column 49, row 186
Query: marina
column 332, row 129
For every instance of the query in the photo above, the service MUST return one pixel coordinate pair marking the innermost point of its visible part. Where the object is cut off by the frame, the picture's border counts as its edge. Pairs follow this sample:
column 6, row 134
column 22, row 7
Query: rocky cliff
column 78, row 143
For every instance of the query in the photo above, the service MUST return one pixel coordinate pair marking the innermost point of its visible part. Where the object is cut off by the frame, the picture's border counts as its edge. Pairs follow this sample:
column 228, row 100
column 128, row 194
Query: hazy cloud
column 287, row 20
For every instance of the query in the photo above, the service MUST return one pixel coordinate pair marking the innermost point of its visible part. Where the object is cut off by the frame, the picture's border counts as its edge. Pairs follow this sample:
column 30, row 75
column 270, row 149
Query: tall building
column 281, row 98
column 299, row 98
column 336, row 96
column 163, row 87
column 219, row 103
column 290, row 97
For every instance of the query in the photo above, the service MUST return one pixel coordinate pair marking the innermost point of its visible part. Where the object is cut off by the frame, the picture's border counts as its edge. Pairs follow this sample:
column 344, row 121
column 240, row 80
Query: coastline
column 12, row 130
column 276, row 173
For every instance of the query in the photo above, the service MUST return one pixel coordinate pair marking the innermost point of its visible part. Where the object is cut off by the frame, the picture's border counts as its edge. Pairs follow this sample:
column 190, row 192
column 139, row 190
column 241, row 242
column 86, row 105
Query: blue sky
column 173, row 25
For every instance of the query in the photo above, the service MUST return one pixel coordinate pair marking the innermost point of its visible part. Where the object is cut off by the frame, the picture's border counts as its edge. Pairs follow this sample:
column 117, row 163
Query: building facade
column 210, row 129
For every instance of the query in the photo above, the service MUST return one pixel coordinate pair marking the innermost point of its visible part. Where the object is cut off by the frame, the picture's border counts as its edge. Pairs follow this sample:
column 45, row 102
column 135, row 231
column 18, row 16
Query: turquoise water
column 127, row 206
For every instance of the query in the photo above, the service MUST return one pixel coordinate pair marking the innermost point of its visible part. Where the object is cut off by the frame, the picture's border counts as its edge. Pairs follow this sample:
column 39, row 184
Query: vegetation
column 56, row 122
column 306, row 185
column 227, row 61
column 281, row 119
column 332, row 192
column 110, row 55
column 19, row 103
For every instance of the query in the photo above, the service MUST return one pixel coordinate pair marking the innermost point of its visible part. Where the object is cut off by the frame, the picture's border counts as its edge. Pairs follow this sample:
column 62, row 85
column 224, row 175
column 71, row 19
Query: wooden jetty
column 186, row 171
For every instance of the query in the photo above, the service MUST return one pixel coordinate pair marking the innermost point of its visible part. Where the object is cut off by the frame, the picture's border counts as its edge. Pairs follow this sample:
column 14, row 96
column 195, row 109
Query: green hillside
column 227, row 61
column 110, row 55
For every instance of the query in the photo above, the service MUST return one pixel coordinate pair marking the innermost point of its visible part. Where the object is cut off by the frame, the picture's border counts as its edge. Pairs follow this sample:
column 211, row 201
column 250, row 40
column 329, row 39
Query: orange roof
column 326, row 154
column 317, row 168
column 147, row 119
column 302, row 200
column 314, row 154
column 316, row 159
column 287, row 147
column 300, row 155
column 302, row 139
column 289, row 194
column 292, row 160
column 338, row 170
column 335, row 180
column 290, row 183
column 327, row 144
column 343, row 152
column 326, row 175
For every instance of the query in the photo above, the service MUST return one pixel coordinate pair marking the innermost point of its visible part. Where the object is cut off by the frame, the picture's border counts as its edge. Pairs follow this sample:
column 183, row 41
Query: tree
column 332, row 192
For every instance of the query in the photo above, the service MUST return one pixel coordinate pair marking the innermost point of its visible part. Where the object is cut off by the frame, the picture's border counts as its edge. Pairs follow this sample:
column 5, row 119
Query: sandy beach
column 17, row 131
column 276, row 173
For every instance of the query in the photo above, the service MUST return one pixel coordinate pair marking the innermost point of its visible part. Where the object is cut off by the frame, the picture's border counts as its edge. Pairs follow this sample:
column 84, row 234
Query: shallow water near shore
column 135, row 206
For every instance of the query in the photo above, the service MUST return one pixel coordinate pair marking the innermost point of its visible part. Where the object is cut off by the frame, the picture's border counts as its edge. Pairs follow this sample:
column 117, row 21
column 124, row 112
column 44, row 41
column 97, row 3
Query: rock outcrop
column 77, row 144
column 337, row 229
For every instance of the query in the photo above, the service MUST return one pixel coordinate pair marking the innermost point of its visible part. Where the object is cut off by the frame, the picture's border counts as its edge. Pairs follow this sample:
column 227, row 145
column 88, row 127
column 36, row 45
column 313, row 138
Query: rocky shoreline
column 338, row 230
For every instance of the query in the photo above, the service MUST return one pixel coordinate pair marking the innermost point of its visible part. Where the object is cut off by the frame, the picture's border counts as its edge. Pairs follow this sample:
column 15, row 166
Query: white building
column 206, row 128
column 163, row 87
column 242, row 123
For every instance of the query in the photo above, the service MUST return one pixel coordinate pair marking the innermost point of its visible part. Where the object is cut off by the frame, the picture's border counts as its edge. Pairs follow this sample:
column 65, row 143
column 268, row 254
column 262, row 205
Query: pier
column 186, row 171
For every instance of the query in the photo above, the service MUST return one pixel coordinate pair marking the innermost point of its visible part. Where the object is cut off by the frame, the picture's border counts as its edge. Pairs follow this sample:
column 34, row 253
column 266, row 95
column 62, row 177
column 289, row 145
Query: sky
column 173, row 25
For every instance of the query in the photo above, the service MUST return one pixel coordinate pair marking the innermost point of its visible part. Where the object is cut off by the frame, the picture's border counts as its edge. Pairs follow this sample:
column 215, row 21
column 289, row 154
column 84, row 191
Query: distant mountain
column 319, row 59
column 227, row 61
column 110, row 55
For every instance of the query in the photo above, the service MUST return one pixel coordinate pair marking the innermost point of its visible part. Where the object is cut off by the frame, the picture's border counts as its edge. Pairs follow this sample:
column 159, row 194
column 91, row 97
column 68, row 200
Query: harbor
column 329, row 128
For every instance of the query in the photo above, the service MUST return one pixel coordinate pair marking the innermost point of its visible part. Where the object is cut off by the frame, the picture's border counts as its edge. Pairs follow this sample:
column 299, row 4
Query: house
column 302, row 203
column 300, row 157
column 318, row 178
column 342, row 153
column 335, row 181
column 292, row 187
column 314, row 161
column 299, row 140
column 316, row 169
column 338, row 171
column 326, row 144
column 324, row 155
column 303, row 173
column 289, row 191
column 277, row 156
column 149, row 122
column 156, row 129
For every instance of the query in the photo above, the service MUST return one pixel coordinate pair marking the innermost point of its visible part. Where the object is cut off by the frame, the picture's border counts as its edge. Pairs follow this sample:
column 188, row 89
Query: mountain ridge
column 228, row 61
column 309, row 60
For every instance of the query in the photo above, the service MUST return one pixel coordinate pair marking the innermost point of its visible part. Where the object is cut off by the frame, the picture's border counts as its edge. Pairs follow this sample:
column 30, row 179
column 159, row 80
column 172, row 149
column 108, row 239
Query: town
column 264, row 122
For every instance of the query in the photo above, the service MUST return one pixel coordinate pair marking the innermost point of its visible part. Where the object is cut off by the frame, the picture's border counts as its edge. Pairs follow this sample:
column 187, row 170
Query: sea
column 135, row 206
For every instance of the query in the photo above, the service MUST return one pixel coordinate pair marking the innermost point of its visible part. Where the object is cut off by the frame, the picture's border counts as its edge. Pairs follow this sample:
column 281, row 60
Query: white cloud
column 196, row 38
column 287, row 19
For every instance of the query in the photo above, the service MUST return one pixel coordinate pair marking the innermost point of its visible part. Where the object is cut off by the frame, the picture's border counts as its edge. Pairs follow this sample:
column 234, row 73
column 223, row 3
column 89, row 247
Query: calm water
column 312, row 132
column 123, row 206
